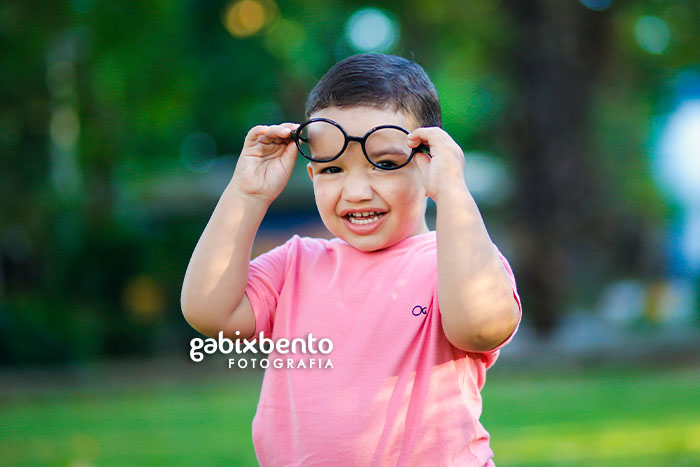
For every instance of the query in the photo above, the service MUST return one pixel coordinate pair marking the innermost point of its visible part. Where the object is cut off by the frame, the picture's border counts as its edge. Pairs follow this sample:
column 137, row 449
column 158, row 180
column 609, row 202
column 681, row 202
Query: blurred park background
column 120, row 124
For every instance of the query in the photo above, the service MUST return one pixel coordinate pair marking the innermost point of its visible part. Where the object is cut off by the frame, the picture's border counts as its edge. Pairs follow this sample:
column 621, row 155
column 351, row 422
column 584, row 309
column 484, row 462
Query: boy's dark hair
column 380, row 81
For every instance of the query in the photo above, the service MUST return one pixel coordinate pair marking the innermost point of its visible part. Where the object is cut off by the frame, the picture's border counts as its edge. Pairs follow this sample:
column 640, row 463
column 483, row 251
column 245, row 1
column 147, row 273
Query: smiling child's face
column 351, row 184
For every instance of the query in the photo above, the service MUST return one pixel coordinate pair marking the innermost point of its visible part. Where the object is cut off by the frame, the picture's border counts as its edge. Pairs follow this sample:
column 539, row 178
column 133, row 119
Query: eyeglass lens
column 323, row 141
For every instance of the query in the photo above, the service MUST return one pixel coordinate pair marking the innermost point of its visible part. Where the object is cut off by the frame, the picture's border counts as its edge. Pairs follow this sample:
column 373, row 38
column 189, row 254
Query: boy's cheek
column 325, row 191
column 324, row 201
column 407, row 186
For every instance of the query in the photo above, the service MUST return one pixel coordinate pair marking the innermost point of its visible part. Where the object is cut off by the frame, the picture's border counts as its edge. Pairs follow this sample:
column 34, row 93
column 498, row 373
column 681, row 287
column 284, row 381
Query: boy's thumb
column 290, row 154
column 422, row 160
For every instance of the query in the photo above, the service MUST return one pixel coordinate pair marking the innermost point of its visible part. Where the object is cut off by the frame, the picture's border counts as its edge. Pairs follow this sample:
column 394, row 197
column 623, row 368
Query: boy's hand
column 443, row 170
column 266, row 161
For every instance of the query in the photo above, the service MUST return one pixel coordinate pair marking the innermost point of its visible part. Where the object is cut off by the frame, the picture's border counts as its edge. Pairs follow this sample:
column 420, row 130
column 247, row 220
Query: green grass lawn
column 602, row 417
column 623, row 417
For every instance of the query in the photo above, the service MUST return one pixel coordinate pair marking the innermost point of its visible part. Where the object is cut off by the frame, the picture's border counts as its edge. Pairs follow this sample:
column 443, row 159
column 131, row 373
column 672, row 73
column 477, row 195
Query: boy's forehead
column 358, row 120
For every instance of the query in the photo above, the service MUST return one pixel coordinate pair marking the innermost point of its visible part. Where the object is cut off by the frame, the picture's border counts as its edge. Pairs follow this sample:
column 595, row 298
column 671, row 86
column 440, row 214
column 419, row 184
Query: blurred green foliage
column 101, row 207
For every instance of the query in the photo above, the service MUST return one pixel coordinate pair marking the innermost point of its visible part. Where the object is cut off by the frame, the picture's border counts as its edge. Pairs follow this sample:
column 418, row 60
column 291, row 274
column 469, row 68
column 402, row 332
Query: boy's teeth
column 363, row 214
column 364, row 218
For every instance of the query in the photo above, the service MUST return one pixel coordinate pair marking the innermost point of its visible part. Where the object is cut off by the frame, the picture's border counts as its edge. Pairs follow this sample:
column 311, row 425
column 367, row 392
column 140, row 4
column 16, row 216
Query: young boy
column 415, row 316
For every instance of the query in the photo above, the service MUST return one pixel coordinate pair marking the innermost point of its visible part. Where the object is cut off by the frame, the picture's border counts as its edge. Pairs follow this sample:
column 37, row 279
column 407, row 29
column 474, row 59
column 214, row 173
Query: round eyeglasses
column 385, row 146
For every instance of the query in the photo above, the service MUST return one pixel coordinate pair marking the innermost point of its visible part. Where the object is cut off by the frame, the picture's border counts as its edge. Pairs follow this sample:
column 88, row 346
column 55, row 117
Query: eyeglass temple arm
column 424, row 148
column 294, row 135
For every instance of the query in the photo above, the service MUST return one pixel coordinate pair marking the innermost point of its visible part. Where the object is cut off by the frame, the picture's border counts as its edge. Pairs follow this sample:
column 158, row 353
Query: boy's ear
column 310, row 170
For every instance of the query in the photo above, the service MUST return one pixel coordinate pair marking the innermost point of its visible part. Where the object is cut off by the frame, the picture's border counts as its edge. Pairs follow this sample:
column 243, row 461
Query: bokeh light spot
column 144, row 298
column 679, row 153
column 652, row 34
column 486, row 178
column 372, row 30
column 198, row 152
column 64, row 127
column 596, row 5
column 247, row 17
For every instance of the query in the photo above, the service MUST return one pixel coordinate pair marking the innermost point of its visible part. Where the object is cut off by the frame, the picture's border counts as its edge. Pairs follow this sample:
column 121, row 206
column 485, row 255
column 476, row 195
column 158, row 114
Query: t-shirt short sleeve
column 266, row 274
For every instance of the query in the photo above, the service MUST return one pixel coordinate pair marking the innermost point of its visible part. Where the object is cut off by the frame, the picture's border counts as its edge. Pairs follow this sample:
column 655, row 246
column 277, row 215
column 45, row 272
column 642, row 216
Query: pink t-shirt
column 398, row 392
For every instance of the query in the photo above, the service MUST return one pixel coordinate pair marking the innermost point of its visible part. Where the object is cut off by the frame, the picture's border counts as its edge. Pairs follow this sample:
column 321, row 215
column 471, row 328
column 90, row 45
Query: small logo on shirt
column 419, row 310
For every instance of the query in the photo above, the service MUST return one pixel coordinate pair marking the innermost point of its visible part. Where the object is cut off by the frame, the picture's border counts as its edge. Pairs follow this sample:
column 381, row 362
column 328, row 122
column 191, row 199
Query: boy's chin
column 366, row 243
column 363, row 246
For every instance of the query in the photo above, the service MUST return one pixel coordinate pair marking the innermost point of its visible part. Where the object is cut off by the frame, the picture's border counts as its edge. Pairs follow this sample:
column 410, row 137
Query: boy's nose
column 357, row 187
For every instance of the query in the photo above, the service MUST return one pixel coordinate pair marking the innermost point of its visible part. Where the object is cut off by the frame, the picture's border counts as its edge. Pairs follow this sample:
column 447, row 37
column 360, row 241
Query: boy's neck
column 422, row 228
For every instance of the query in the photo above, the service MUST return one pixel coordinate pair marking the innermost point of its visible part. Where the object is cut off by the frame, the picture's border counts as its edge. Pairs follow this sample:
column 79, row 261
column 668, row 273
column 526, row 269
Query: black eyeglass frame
column 296, row 137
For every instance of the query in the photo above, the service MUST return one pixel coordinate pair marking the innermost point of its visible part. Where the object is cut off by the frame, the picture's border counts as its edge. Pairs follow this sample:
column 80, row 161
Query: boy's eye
column 330, row 170
column 387, row 164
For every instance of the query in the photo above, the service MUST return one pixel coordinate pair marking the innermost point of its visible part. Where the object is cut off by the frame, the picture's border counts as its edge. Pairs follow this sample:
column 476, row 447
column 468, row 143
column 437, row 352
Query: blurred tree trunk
column 556, row 50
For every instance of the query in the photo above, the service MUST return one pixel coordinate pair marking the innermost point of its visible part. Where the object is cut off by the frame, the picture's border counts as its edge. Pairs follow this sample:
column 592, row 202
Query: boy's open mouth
column 360, row 218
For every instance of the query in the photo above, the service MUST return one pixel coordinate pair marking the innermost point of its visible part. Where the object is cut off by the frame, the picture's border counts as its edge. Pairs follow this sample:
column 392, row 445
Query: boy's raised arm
column 212, row 297
column 477, row 305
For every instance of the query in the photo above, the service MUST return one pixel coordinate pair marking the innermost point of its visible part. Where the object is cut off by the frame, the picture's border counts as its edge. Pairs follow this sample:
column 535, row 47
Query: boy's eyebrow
column 390, row 150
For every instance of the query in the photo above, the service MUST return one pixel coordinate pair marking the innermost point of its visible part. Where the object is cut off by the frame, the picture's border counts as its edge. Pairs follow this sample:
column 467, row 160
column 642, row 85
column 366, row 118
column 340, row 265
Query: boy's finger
column 270, row 134
column 425, row 134
column 282, row 131
column 432, row 136
column 255, row 133
column 417, row 137
column 273, row 139
column 290, row 125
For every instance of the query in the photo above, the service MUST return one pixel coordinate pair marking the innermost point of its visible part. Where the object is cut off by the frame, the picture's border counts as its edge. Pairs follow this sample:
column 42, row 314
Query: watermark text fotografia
column 283, row 346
